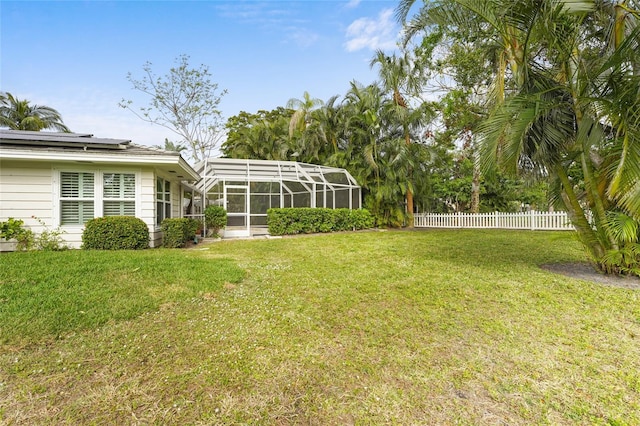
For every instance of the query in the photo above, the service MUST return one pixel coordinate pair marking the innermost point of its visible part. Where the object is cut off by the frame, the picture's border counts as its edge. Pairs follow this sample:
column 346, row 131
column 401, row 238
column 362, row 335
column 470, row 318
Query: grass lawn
column 428, row 327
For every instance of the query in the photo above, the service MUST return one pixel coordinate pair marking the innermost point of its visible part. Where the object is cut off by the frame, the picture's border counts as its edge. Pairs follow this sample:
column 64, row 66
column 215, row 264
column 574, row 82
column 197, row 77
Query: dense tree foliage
column 385, row 144
column 363, row 133
column 260, row 136
column 401, row 76
column 565, row 105
column 403, row 150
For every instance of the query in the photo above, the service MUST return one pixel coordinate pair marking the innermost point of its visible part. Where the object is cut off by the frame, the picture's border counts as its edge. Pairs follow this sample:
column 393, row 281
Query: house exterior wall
column 176, row 203
column 176, row 200
column 30, row 191
column 25, row 191
column 147, row 199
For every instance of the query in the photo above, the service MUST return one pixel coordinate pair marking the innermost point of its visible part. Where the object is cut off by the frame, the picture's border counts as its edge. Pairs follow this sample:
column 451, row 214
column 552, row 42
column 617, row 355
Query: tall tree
column 324, row 135
column 185, row 101
column 400, row 76
column 302, row 108
column 19, row 114
column 361, row 133
column 261, row 136
column 572, row 112
column 375, row 151
column 460, row 54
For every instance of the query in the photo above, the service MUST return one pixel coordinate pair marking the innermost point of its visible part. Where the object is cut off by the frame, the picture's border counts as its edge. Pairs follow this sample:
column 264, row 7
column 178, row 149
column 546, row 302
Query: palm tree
column 497, row 21
column 269, row 140
column 302, row 115
column 323, row 137
column 401, row 77
column 505, row 50
column 371, row 152
column 262, row 136
column 20, row 115
column 171, row 146
column 573, row 114
column 579, row 108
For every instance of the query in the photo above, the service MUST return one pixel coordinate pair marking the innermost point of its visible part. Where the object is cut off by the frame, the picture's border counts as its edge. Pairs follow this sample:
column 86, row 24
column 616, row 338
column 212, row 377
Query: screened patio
column 248, row 188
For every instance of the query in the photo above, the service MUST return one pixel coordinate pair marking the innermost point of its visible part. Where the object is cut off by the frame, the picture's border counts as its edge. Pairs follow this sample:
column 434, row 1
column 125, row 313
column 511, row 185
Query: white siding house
column 65, row 179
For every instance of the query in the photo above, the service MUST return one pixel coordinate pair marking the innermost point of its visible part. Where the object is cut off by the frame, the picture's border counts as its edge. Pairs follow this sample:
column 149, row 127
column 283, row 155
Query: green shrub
column 342, row 220
column 361, row 219
column 290, row 221
column 215, row 218
column 11, row 229
column 175, row 232
column 386, row 213
column 47, row 240
column 26, row 240
column 316, row 220
column 192, row 228
column 280, row 222
column 115, row 233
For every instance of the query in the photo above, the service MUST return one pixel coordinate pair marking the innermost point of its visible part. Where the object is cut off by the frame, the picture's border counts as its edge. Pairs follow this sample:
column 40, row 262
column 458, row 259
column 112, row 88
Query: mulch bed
column 585, row 271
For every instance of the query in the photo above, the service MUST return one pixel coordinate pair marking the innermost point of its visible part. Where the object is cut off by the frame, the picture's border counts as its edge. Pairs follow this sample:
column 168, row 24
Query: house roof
column 69, row 147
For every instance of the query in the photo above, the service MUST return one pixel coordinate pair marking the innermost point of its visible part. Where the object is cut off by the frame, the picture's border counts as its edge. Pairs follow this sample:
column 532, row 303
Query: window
column 76, row 198
column 119, row 193
column 84, row 195
column 163, row 200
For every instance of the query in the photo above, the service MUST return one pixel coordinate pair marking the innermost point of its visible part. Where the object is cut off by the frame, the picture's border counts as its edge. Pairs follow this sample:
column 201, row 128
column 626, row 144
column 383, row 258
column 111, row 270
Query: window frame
column 98, row 178
column 82, row 199
column 122, row 200
column 163, row 200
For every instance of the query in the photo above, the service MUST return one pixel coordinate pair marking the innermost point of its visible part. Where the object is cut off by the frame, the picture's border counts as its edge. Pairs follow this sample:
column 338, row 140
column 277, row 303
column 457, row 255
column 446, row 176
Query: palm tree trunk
column 475, row 189
column 601, row 235
column 399, row 100
column 596, row 202
column 578, row 217
column 619, row 26
column 407, row 140
column 591, row 187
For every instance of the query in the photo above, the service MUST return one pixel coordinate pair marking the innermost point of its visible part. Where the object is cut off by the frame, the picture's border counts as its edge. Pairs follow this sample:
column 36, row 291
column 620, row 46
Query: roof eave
column 91, row 157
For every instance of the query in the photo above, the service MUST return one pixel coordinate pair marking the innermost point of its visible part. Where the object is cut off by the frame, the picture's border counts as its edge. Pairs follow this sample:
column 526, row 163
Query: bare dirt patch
column 585, row 271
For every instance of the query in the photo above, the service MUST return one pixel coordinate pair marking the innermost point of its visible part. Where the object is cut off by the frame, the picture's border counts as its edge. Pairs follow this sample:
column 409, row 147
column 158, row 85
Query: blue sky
column 75, row 55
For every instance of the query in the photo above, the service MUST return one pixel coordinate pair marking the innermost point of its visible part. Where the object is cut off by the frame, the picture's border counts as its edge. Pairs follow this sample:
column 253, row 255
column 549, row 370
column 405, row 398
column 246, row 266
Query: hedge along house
column 66, row 179
column 248, row 188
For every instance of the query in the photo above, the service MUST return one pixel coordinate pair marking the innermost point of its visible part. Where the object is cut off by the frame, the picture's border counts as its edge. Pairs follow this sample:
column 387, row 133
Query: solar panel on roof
column 58, row 139
column 53, row 134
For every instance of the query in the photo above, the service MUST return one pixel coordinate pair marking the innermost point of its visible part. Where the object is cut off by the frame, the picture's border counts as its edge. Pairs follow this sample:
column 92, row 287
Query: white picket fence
column 533, row 220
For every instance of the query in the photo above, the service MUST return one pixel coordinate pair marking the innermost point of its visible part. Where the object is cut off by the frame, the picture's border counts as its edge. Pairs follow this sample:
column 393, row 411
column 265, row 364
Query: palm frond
column 624, row 229
column 528, row 125
column 402, row 10
column 577, row 6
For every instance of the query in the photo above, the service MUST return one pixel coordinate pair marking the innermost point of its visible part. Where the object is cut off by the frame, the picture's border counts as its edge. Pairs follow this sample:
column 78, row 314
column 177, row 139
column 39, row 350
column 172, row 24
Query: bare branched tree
column 184, row 101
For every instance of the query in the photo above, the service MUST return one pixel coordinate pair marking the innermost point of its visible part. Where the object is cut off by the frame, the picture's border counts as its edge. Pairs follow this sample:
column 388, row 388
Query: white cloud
column 250, row 11
column 302, row 37
column 255, row 13
column 351, row 4
column 372, row 34
column 271, row 18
